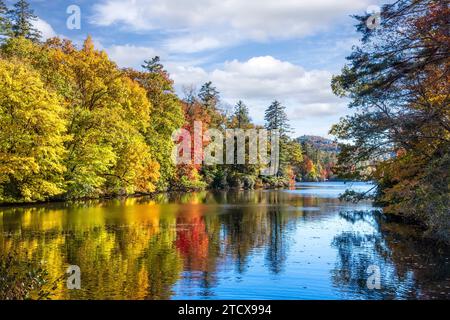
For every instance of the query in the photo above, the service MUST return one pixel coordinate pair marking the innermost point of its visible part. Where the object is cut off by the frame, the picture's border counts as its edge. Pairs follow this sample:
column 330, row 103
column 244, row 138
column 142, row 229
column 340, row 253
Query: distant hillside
column 320, row 143
column 319, row 159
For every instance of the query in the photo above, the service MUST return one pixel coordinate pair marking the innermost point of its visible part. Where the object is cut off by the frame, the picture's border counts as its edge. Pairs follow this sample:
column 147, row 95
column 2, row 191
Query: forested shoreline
column 75, row 125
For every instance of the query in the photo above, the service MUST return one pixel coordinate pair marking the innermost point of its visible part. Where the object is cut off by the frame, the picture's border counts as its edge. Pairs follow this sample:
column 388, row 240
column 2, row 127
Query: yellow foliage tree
column 32, row 129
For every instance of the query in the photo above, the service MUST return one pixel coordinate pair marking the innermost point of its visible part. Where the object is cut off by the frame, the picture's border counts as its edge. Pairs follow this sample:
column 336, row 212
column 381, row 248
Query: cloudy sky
column 254, row 50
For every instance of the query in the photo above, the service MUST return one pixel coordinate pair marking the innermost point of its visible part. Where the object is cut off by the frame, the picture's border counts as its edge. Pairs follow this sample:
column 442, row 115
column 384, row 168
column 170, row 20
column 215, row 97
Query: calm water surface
column 288, row 244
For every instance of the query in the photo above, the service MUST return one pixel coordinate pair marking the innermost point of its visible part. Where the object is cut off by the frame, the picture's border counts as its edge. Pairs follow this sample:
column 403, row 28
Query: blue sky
column 254, row 50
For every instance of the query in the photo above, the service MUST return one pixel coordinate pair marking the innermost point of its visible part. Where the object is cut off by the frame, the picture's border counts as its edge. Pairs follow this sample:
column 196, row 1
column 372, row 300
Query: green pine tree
column 22, row 17
column 241, row 115
column 210, row 100
column 276, row 119
column 5, row 22
column 153, row 65
column 209, row 95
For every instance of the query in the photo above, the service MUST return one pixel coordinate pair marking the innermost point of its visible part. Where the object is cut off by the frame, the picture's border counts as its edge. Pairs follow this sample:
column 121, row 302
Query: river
column 264, row 244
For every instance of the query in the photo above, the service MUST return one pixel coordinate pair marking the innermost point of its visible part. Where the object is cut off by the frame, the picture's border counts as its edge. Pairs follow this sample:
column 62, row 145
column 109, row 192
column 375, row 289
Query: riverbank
column 349, row 185
column 402, row 219
column 265, row 186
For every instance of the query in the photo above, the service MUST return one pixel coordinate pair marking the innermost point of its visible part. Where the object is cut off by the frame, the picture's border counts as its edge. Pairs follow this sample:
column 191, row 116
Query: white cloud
column 311, row 105
column 133, row 56
column 130, row 55
column 260, row 80
column 45, row 28
column 191, row 44
column 207, row 24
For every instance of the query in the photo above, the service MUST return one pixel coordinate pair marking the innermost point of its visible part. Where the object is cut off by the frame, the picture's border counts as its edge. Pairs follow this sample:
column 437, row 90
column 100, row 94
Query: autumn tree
column 32, row 136
column 294, row 158
column 398, row 84
column 166, row 115
column 107, row 116
column 197, row 108
column 108, row 113
column 319, row 153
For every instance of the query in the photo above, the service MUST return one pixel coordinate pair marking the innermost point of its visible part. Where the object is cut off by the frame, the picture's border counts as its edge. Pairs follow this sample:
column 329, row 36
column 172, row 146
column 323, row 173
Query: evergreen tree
column 276, row 118
column 22, row 17
column 209, row 95
column 209, row 100
column 241, row 117
column 153, row 65
column 5, row 22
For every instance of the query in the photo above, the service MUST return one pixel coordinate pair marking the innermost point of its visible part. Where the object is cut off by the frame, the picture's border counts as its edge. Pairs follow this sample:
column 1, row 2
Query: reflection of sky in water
column 323, row 254
column 264, row 244
column 329, row 189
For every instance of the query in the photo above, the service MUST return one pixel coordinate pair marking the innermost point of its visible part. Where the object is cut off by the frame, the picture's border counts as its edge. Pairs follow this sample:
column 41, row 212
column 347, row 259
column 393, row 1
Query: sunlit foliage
column 31, row 137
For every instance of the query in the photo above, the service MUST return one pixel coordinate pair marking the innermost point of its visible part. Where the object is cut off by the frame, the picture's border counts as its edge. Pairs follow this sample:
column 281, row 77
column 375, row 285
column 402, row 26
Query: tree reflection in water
column 197, row 244
column 407, row 265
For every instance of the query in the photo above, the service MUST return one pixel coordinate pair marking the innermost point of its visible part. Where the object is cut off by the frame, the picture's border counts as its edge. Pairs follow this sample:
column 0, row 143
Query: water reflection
column 255, row 244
